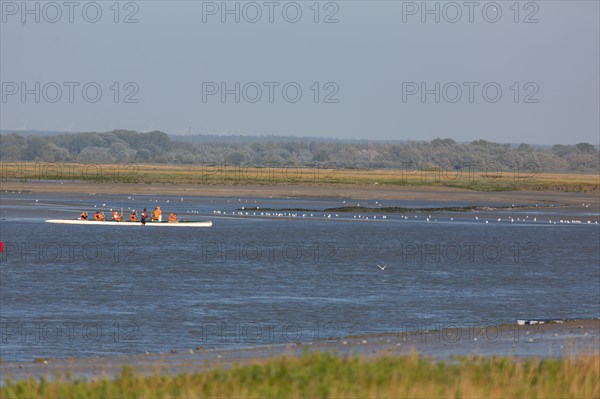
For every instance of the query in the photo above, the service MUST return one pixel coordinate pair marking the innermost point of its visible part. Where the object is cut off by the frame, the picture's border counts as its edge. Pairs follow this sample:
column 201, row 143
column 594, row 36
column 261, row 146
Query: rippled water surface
column 70, row 290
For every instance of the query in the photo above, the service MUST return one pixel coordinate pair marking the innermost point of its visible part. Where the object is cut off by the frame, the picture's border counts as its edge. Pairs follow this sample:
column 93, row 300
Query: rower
column 98, row 216
column 133, row 216
column 83, row 216
column 172, row 217
column 156, row 215
column 144, row 217
column 116, row 217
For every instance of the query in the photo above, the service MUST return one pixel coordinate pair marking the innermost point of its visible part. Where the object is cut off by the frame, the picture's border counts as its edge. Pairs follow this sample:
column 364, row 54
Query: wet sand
column 347, row 191
column 542, row 340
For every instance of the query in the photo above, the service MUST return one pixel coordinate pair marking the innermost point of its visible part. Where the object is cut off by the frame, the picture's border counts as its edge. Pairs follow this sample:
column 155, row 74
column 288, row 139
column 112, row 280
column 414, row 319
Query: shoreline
column 562, row 339
column 357, row 191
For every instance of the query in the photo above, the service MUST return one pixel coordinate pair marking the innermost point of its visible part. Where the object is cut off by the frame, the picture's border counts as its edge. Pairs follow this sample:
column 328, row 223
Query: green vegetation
column 153, row 158
column 322, row 375
column 125, row 146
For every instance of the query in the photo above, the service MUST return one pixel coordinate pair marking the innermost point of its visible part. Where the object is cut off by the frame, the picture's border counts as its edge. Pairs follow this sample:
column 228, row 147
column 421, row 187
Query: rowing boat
column 179, row 223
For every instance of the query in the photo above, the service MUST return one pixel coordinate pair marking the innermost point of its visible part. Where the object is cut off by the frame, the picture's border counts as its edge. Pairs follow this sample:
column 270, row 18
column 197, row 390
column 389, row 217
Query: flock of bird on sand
column 255, row 212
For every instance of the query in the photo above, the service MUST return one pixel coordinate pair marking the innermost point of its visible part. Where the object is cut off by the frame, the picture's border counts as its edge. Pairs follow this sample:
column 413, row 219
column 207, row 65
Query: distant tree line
column 157, row 147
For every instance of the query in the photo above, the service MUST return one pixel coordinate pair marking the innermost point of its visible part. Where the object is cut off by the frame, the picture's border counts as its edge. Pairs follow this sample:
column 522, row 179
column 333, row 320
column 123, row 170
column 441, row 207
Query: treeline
column 157, row 147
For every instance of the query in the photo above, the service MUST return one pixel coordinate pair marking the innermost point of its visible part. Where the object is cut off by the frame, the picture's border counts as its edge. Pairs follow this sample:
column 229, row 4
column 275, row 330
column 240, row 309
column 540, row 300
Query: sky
column 501, row 71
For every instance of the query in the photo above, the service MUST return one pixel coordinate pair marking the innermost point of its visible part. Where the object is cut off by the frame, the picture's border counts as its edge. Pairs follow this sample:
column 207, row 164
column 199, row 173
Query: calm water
column 87, row 291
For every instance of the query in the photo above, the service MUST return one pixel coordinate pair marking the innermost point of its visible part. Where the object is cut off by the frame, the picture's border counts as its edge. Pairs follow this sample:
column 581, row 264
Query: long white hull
column 204, row 223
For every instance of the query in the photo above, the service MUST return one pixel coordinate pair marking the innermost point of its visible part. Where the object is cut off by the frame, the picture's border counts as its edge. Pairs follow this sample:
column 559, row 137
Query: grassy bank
column 326, row 174
column 321, row 375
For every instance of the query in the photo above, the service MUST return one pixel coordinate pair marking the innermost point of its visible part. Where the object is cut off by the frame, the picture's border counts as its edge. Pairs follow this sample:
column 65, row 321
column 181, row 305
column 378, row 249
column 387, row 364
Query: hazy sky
column 375, row 70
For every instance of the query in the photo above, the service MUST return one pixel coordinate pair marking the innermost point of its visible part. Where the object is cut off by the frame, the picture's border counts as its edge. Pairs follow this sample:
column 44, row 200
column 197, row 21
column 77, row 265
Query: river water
column 265, row 276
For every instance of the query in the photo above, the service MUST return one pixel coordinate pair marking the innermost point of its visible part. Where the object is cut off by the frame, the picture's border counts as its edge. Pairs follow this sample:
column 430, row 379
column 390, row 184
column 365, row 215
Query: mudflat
column 304, row 190
column 560, row 339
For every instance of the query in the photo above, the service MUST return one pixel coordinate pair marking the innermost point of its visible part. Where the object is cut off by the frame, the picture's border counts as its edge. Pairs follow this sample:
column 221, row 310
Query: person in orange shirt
column 83, row 216
column 157, row 215
column 172, row 217
column 116, row 217
column 133, row 216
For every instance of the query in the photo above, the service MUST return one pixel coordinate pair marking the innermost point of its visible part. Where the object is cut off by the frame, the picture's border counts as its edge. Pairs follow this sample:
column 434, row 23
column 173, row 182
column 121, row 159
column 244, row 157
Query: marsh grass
column 326, row 175
column 324, row 375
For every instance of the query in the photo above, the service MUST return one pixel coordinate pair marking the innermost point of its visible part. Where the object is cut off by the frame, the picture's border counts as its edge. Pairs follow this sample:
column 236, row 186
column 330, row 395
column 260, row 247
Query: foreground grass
column 322, row 375
column 327, row 174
